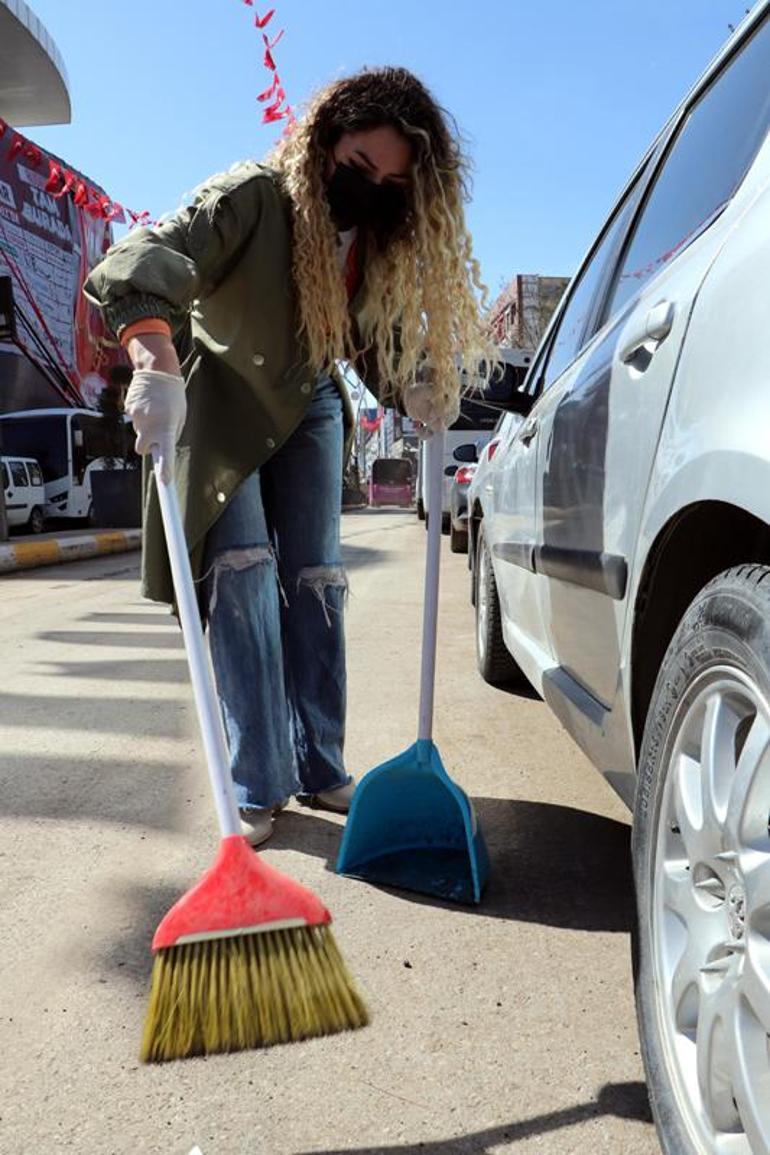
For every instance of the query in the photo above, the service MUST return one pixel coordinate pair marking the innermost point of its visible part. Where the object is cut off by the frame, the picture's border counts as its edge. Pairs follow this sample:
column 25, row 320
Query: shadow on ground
column 619, row 1100
column 171, row 671
column 132, row 717
column 129, row 954
column 119, row 639
column 153, row 618
column 550, row 864
column 123, row 791
column 381, row 511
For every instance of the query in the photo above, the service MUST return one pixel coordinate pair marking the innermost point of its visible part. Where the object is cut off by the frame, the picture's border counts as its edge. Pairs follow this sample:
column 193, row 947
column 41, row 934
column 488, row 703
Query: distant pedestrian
column 349, row 244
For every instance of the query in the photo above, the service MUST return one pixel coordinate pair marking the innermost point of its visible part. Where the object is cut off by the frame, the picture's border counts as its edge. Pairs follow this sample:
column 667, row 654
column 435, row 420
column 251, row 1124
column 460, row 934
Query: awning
column 33, row 80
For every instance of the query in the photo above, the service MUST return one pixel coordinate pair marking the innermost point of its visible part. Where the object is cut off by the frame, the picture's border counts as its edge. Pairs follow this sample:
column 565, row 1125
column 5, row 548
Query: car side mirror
column 466, row 453
column 504, row 390
column 519, row 402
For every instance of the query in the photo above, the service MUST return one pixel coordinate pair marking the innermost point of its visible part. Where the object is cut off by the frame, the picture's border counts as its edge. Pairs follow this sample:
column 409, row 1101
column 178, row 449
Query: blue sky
column 557, row 99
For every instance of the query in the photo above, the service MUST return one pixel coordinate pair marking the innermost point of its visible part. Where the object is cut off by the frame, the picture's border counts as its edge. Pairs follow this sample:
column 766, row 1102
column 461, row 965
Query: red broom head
column 239, row 893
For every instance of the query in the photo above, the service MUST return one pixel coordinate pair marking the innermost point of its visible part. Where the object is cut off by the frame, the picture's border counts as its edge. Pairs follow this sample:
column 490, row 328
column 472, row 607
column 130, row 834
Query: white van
column 69, row 444
column 24, row 492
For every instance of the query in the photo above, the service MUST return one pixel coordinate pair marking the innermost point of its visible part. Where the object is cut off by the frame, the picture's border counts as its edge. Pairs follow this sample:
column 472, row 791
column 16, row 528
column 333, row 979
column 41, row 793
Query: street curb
column 30, row 554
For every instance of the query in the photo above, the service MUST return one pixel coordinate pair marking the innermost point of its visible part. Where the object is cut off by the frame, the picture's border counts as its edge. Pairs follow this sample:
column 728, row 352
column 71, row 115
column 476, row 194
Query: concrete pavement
column 507, row 1029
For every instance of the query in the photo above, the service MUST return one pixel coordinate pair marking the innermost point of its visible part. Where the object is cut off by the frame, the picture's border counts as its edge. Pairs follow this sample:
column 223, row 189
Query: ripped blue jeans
column 275, row 592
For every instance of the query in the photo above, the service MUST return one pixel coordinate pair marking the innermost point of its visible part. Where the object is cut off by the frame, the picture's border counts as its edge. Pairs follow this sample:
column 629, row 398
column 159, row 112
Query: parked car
column 506, row 425
column 390, row 482
column 458, row 505
column 479, row 412
column 24, row 492
column 622, row 546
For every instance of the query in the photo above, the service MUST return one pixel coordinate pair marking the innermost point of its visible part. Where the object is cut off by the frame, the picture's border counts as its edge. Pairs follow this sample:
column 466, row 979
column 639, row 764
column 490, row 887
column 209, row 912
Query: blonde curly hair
column 422, row 284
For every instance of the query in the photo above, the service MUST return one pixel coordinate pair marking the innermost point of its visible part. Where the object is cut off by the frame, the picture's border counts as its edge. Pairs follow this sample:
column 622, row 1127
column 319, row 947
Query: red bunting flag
column 17, row 144
column 263, row 96
column 81, row 194
column 55, row 176
column 262, row 22
column 33, row 154
column 272, row 115
column 268, row 61
column 69, row 181
column 270, row 44
column 141, row 219
column 273, row 108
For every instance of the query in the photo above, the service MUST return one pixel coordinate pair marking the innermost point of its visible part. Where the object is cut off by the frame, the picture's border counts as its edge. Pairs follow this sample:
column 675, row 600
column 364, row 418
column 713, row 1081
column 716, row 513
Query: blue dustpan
column 410, row 826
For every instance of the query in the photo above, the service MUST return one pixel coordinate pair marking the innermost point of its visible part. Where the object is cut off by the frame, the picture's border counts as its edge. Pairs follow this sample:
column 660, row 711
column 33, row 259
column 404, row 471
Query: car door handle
column 657, row 325
column 529, row 430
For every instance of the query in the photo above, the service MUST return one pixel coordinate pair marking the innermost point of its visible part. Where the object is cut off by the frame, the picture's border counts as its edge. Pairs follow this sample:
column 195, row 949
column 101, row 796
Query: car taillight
column 464, row 474
column 492, row 448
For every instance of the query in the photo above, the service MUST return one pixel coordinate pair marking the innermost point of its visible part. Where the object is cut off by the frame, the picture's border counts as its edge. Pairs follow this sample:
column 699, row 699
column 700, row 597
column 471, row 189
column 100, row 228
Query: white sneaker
column 256, row 825
column 337, row 800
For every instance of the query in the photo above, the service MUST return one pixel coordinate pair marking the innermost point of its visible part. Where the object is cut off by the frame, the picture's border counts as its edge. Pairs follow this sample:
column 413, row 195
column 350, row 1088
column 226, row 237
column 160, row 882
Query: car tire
column 495, row 663
column 458, row 541
column 420, row 509
column 473, row 530
column 446, row 522
column 701, row 853
column 36, row 523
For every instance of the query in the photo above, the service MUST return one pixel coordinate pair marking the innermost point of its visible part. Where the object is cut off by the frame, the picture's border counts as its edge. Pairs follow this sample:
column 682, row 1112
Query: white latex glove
column 422, row 406
column 157, row 406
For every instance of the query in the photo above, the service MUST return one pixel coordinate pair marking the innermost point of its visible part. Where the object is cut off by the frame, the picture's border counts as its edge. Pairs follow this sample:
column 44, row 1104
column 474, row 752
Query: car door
column 598, row 439
column 19, row 496
column 515, row 501
column 11, row 512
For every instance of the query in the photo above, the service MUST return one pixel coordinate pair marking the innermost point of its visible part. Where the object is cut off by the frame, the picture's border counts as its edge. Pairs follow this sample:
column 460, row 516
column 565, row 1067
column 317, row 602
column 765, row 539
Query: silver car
column 622, row 564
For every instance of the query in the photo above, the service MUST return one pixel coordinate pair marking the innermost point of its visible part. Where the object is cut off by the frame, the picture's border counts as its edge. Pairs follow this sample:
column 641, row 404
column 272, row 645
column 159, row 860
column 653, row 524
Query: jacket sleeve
column 366, row 368
column 159, row 272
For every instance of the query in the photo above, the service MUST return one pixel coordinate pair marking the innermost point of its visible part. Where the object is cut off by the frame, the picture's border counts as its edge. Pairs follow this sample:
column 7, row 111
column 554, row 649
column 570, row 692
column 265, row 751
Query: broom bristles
column 247, row 991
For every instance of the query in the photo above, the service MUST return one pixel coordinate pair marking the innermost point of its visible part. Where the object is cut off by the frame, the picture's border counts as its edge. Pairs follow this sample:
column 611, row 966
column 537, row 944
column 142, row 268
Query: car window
column 35, row 475
column 572, row 330
column 19, row 474
column 706, row 162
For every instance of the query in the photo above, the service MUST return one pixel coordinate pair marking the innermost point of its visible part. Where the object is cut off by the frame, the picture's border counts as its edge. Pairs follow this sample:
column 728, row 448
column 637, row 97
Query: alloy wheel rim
column 711, row 912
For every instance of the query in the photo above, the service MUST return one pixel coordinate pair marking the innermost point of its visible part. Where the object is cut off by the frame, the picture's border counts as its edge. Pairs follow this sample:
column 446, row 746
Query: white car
column 623, row 569
column 24, row 493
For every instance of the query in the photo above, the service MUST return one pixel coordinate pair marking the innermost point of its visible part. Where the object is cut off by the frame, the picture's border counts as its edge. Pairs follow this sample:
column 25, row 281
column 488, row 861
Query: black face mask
column 354, row 200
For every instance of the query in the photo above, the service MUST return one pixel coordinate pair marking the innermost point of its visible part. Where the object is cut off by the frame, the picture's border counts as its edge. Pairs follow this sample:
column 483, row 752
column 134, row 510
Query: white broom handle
column 434, row 450
column 209, row 717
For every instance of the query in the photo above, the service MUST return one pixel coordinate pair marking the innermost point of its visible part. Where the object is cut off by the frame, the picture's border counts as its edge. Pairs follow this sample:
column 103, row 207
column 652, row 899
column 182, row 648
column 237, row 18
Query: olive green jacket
column 220, row 273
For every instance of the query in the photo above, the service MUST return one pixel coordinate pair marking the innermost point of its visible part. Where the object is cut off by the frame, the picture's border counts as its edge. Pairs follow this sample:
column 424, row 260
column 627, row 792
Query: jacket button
column 306, row 388
column 270, row 443
column 258, row 358
column 221, row 498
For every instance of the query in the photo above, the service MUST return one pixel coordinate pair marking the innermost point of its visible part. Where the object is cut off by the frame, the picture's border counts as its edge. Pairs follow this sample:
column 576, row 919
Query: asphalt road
column 503, row 1029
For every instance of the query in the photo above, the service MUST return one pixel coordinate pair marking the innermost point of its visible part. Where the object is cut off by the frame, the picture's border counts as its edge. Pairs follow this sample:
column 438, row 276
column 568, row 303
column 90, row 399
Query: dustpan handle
column 434, row 450
column 207, row 707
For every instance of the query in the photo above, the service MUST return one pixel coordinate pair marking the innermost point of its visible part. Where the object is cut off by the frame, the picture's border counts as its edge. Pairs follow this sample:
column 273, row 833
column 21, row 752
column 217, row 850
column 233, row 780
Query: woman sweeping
column 349, row 245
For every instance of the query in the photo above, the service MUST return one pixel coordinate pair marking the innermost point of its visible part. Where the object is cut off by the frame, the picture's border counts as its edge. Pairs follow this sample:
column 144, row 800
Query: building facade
column 520, row 315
